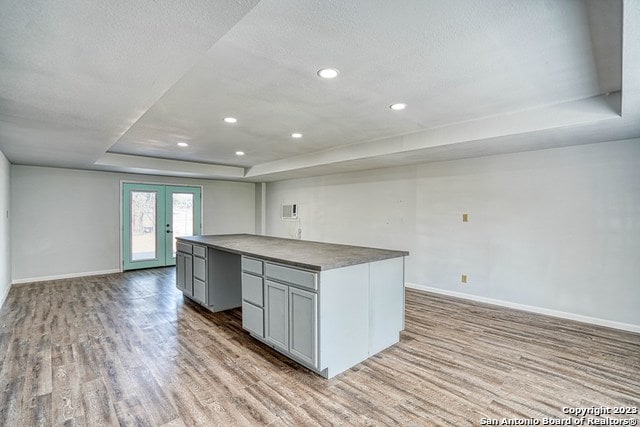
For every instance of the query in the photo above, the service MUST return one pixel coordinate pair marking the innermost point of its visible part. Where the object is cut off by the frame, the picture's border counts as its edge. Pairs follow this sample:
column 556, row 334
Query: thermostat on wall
column 289, row 211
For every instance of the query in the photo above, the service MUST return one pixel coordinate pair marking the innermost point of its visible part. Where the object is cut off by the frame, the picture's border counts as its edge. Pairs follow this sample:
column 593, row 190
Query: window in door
column 153, row 216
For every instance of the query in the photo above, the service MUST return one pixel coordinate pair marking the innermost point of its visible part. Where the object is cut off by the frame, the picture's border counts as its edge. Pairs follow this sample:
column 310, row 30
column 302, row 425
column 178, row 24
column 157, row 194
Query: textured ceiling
column 115, row 86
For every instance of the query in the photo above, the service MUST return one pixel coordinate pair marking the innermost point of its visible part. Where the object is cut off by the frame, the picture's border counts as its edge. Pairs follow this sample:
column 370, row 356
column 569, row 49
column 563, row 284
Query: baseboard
column 530, row 308
column 63, row 276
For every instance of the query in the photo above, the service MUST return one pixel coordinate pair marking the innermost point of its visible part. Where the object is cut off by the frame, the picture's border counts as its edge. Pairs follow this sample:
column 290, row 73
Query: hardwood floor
column 127, row 349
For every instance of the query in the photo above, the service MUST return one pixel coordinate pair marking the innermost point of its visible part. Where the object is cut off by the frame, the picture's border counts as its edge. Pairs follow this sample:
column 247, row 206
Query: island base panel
column 225, row 279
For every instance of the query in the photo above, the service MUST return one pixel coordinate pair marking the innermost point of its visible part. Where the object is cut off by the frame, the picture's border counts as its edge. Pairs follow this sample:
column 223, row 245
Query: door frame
column 121, row 209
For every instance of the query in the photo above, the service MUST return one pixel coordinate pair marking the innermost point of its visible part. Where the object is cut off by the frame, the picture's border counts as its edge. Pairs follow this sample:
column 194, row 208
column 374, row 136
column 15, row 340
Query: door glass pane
column 143, row 225
column 182, row 216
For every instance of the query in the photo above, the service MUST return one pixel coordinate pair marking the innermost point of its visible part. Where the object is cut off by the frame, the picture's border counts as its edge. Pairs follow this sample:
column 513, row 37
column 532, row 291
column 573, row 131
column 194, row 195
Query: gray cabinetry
column 327, row 315
column 296, row 276
column 191, row 271
column 252, row 289
column 303, row 325
column 200, row 291
column 252, row 296
column 253, row 319
column 331, row 320
column 180, row 271
column 291, row 311
column 277, row 314
column 253, row 266
column 208, row 276
column 184, row 273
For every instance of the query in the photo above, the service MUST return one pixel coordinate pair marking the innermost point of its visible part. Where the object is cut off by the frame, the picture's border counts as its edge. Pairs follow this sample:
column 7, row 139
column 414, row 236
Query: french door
column 153, row 216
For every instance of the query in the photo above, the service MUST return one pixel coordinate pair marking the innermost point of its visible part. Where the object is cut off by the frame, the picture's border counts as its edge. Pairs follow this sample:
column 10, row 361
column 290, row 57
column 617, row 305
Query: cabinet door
column 180, row 271
column 303, row 325
column 277, row 314
column 188, row 275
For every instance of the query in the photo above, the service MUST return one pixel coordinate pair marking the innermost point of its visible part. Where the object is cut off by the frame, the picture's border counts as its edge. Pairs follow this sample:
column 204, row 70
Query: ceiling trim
column 589, row 110
column 154, row 166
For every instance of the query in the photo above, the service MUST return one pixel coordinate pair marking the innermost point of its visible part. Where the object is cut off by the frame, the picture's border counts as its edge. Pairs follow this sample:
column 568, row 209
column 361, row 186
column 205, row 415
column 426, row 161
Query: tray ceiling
column 117, row 86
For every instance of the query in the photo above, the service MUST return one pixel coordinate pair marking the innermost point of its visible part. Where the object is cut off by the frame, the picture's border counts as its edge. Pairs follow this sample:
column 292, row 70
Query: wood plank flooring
column 127, row 349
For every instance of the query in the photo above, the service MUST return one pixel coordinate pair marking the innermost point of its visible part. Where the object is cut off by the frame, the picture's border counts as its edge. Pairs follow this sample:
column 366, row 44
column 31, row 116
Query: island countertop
column 301, row 253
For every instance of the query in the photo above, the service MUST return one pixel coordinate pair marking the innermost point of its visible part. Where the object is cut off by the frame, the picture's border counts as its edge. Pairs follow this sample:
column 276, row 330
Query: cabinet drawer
column 252, row 265
column 199, row 289
column 253, row 319
column 302, row 278
column 252, row 289
column 183, row 247
column 200, row 268
column 200, row 251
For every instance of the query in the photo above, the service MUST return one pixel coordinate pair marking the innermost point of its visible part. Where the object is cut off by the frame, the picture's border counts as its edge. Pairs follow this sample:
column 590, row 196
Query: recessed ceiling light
column 230, row 120
column 239, row 153
column 182, row 144
column 296, row 135
column 397, row 107
column 328, row 73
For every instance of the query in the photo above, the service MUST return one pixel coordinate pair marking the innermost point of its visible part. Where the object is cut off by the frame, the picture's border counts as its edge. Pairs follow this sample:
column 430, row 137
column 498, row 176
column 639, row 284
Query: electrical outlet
column 465, row 217
column 464, row 278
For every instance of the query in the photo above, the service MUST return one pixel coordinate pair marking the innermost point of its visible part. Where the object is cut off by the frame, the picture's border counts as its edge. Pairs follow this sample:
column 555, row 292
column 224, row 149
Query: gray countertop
column 300, row 253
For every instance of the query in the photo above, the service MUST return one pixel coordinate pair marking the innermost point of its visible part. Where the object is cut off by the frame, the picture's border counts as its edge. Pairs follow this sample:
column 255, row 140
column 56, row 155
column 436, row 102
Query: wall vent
column 289, row 211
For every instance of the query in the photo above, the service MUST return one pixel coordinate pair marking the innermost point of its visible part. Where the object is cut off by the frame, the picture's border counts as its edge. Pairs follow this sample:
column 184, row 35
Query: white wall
column 67, row 222
column 555, row 231
column 5, row 231
column 260, row 202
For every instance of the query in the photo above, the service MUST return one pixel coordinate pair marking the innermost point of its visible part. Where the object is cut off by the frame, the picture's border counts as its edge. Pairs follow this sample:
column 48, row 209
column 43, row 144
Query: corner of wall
column 5, row 228
column 260, row 207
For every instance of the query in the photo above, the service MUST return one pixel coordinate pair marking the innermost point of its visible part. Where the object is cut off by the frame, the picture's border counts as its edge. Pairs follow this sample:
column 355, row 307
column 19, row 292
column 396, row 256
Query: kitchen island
column 326, row 306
